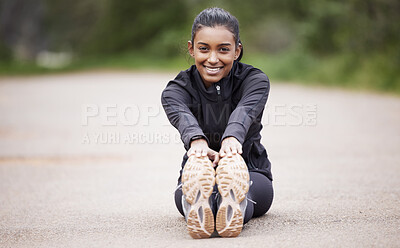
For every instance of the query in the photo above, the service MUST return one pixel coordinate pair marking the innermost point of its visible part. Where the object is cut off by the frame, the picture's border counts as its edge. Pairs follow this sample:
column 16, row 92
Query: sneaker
column 198, row 179
column 233, row 184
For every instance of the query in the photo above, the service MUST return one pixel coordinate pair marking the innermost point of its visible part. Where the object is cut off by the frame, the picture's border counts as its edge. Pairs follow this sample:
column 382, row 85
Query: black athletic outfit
column 232, row 107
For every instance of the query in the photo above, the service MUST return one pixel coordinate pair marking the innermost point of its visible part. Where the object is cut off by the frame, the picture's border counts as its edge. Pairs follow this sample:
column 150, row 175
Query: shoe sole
column 198, row 179
column 233, row 184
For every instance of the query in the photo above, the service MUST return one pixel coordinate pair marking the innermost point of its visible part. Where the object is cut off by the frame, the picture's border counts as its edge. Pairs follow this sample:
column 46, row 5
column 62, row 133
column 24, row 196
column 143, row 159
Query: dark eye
column 203, row 48
column 224, row 49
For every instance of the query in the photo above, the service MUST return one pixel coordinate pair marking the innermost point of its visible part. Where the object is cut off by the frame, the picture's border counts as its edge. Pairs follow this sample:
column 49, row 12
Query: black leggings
column 261, row 193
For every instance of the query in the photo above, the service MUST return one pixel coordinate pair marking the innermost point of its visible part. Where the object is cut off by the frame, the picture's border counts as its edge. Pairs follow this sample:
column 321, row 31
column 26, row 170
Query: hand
column 200, row 148
column 230, row 146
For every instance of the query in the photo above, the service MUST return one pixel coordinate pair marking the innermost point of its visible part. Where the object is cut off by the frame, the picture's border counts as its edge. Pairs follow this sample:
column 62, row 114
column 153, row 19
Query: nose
column 213, row 58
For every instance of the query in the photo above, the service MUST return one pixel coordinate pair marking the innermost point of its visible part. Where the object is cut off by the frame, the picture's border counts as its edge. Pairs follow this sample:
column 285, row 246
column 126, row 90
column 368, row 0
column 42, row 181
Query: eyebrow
column 222, row 44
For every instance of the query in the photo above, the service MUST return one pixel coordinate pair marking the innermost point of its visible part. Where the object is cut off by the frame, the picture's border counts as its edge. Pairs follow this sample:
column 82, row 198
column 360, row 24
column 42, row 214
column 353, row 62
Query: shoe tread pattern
column 198, row 177
column 232, row 176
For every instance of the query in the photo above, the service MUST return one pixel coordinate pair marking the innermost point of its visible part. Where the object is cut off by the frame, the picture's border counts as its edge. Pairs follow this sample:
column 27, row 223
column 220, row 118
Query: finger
column 216, row 160
column 234, row 150
column 204, row 153
column 215, row 164
column 210, row 152
column 229, row 152
column 213, row 154
column 222, row 153
column 198, row 153
column 190, row 152
column 240, row 150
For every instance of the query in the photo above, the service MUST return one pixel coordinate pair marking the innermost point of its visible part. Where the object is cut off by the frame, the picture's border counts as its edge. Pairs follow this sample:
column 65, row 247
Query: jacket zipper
column 218, row 87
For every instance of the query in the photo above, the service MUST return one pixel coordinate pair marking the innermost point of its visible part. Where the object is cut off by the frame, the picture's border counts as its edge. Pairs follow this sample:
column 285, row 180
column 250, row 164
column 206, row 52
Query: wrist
column 198, row 139
column 229, row 138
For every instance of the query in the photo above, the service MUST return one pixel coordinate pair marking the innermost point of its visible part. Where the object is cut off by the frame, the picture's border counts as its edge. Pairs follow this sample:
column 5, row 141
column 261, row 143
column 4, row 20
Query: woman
column 217, row 106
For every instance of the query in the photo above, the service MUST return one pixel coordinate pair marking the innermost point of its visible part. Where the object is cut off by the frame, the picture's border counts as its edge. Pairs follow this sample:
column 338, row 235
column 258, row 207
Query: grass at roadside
column 372, row 74
column 128, row 61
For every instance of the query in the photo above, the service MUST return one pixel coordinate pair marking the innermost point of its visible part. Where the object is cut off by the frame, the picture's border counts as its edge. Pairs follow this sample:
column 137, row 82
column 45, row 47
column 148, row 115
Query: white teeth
column 213, row 69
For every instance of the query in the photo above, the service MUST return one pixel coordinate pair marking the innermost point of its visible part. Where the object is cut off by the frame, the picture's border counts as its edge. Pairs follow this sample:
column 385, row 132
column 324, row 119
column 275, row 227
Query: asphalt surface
column 90, row 160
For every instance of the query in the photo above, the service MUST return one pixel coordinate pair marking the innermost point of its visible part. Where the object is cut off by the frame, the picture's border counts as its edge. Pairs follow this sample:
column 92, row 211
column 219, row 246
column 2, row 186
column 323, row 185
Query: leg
column 178, row 199
column 262, row 193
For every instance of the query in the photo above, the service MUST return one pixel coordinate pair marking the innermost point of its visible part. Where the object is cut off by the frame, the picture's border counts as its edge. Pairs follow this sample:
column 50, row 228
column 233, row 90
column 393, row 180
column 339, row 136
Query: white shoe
column 198, row 179
column 233, row 184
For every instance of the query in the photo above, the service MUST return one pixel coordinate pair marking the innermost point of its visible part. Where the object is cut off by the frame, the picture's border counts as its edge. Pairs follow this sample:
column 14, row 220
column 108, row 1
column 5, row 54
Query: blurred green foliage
column 353, row 43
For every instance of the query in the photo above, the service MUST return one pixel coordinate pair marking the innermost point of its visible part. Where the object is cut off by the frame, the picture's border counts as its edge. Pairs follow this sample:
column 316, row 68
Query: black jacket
column 231, row 107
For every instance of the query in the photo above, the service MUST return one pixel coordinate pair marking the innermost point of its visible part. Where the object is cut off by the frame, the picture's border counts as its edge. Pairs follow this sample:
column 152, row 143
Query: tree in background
column 21, row 29
column 90, row 27
column 361, row 38
column 135, row 25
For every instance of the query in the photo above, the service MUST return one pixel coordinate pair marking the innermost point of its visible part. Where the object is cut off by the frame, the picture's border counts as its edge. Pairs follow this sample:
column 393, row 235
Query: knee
column 261, row 192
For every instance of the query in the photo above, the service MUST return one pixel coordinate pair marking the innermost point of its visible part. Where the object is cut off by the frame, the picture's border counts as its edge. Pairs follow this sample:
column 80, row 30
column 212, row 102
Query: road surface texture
column 90, row 160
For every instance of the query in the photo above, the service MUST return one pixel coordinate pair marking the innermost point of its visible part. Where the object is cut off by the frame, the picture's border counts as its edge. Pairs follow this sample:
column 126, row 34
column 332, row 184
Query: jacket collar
column 211, row 93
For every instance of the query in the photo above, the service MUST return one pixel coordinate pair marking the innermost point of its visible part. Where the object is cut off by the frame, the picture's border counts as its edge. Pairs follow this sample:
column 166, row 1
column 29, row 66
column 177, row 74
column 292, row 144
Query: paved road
column 89, row 160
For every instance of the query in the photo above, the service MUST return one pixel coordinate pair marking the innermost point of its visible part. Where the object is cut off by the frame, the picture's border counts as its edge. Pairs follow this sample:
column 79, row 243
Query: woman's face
column 214, row 51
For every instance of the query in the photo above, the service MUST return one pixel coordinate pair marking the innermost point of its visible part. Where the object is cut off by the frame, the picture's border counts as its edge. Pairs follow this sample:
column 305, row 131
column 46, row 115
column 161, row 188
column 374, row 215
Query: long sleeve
column 176, row 101
column 252, row 103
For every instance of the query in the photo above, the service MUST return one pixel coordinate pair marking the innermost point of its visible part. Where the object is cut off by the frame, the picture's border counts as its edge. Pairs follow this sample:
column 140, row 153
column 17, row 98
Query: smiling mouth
column 213, row 69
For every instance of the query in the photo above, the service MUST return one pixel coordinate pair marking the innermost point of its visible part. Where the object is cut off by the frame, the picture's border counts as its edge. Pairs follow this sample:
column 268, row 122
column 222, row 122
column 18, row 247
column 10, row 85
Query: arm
column 175, row 101
column 254, row 97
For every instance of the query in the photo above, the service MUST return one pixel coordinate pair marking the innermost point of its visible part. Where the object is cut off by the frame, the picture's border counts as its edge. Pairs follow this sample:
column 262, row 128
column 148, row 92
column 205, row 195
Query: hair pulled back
column 213, row 17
